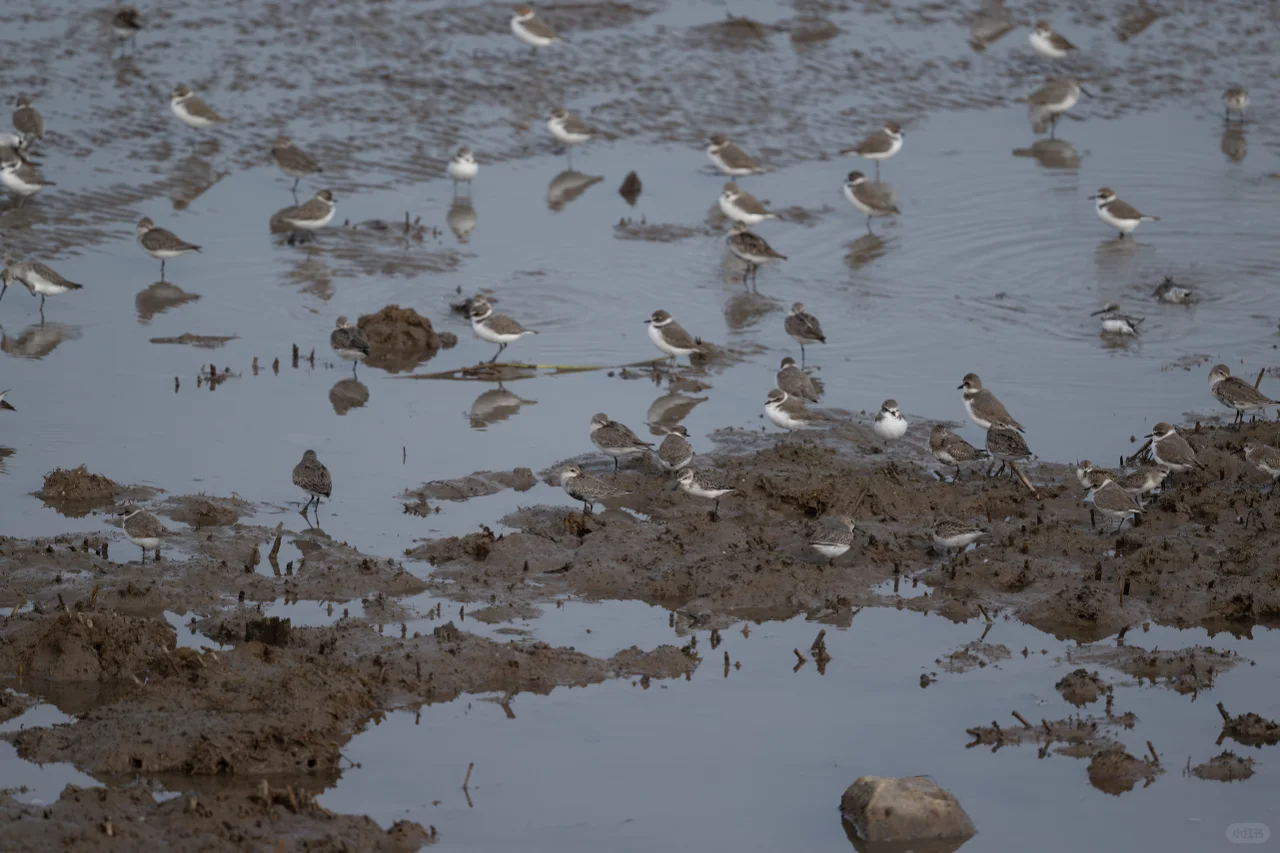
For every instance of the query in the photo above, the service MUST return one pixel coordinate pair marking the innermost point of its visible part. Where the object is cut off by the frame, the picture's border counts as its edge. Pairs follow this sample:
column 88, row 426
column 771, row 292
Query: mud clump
column 399, row 338
column 1081, row 687
column 77, row 489
column 78, row 647
column 479, row 484
column 1248, row 729
column 1186, row 671
column 1114, row 771
column 973, row 655
column 200, row 511
column 1227, row 767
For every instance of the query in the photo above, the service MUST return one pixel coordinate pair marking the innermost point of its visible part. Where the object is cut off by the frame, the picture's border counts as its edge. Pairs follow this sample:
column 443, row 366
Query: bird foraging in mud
column 700, row 484
column 582, row 486
column 953, row 535
column 1114, row 502
column 952, row 450
column 615, row 439
column 1264, row 457
column 1171, row 451
column 144, row 530
column 1007, row 445
column 675, row 452
column 833, row 537
column 312, row 477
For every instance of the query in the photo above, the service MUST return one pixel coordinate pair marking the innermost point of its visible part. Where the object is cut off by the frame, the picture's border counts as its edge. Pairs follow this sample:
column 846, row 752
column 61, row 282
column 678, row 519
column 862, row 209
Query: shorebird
column 5, row 404
column 1235, row 99
column 1146, row 479
column 701, row 484
column 1264, row 457
column 880, row 145
column 1115, row 323
column 615, row 439
column 13, row 145
column 751, row 249
column 1114, row 502
column 1049, row 44
column 670, row 337
column 1173, row 293
column 144, row 530
column 126, row 24
column 867, row 198
column 1235, row 393
column 162, row 244
column 833, row 537
column 310, row 216
column 27, row 120
column 730, row 159
column 293, row 161
column 983, row 407
column 569, row 130
column 889, row 422
column 1171, row 450
column 787, row 412
column 803, row 328
column 495, row 328
column 21, row 178
column 463, row 168
column 1120, row 215
column 349, row 342
column 796, row 382
column 1007, row 444
column 1053, row 99
column 952, row 535
column 531, row 29
column 37, row 278
column 312, row 477
column 741, row 206
column 675, row 452
column 191, row 110
column 586, row 488
column 952, row 450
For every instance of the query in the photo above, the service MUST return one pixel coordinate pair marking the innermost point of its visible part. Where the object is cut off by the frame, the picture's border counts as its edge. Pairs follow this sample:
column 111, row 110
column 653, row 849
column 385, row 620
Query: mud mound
column 476, row 485
column 1114, row 771
column 77, row 488
column 399, row 338
column 80, row 647
column 1081, row 687
column 203, row 511
column 1226, row 767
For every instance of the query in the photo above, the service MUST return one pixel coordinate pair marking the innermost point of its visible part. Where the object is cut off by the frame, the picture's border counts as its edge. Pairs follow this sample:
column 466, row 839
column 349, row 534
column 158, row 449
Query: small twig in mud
column 984, row 613
column 1135, row 457
column 1023, row 478
column 1258, row 381
column 1047, row 729
column 861, row 497
column 466, row 783
column 801, row 659
column 1154, row 757
column 1226, row 718
column 819, row 642
column 1022, row 720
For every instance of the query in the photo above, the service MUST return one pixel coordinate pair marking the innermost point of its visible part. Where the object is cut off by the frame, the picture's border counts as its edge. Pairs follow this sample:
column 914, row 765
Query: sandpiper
column 191, row 110
column 312, row 477
column 1264, row 457
column 615, row 439
column 670, row 337
column 1090, row 476
column 463, row 167
column 1173, row 293
column 1235, row 393
column 144, row 530
column 953, row 535
column 292, row 160
column 311, row 215
column 1115, row 323
column 1119, row 214
column 880, row 145
column 27, row 120
column 1146, row 479
column 1007, row 444
column 867, row 198
column 531, row 29
column 731, row 159
column 701, row 484
column 584, row 487
column 788, row 412
column 569, row 129
column 21, row 178
column 675, row 452
column 803, row 328
column 1114, row 502
column 751, row 249
column 162, row 244
column 39, row 279
column 349, row 342
column 5, row 404
column 889, row 424
column 983, row 407
column 1054, row 98
column 495, row 328
column 15, row 145
column 792, row 379
column 1171, row 450
column 1049, row 44
column 833, row 537
column 126, row 24
column 741, row 206
column 1235, row 99
column 952, row 450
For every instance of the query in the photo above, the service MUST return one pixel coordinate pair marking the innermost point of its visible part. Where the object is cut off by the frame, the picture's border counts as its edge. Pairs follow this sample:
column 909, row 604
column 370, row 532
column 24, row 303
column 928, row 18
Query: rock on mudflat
column 911, row 808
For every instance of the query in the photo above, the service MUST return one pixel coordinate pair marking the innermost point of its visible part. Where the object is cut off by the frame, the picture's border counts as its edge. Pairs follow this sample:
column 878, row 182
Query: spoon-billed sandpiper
column 1235, row 393
column 803, row 328
column 312, row 477
column 1007, row 445
column 144, row 530
column 702, row 484
column 615, row 439
column 162, row 244
column 1120, row 215
column 350, row 342
column 586, row 488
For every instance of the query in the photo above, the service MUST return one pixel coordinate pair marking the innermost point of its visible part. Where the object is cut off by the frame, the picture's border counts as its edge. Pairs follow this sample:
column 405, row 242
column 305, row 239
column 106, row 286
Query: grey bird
column 954, row 535
column 1007, row 445
column 803, row 328
column 1171, row 450
column 493, row 327
column 27, row 119
column 675, row 452
column 792, row 379
column 1264, row 457
column 126, row 24
column 586, row 488
column 731, row 159
column 702, row 484
column 144, row 530
column 162, row 244
column 1114, row 502
column 751, row 249
column 952, row 450
column 1116, row 323
column 615, row 439
column 983, row 407
column 1173, row 293
column 867, row 198
column 1235, row 393
column 292, row 160
column 5, row 404
column 1146, row 479
column 834, row 535
column 349, row 342
column 312, row 477
column 37, row 278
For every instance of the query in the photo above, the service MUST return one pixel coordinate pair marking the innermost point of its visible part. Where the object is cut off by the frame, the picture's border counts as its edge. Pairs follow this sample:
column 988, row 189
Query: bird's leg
column 144, row 555
column 295, row 187
column 615, row 465
column 586, row 508
column 877, row 171
column 869, row 231
column 22, row 199
column 746, row 272
column 162, row 269
column 1091, row 521
column 715, row 512
column 802, row 356
column 1121, row 235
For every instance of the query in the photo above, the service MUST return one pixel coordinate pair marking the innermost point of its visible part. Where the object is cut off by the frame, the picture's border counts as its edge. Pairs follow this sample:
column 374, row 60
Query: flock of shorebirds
column 1116, row 495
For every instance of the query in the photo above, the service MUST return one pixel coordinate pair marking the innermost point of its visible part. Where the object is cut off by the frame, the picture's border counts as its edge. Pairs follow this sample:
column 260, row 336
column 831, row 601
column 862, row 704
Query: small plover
column 751, row 249
column 833, row 537
column 162, row 244
column 700, row 484
column 21, row 178
column 675, row 452
column 589, row 489
column 463, row 167
column 37, row 278
column 1234, row 393
column 312, row 477
column 1264, row 457
column 1090, row 476
column 1006, row 444
column 350, row 342
column 531, row 29
column 5, row 404
column 191, row 110
column 880, row 145
column 983, row 407
column 890, row 424
column 952, row 535
column 495, row 328
column 27, row 120
column 1114, row 502
column 126, row 24
column 1146, row 479
column 803, row 328
column 867, row 198
column 615, row 439
column 1119, row 214
column 311, row 215
column 1115, row 323
column 952, row 450
column 1054, row 98
column 1049, row 44
column 741, row 206
column 731, row 159
column 792, row 379
column 670, row 337
column 1171, row 450
column 788, row 412
column 1173, row 293
column 144, row 530
column 1235, row 99
column 569, row 129
column 292, row 160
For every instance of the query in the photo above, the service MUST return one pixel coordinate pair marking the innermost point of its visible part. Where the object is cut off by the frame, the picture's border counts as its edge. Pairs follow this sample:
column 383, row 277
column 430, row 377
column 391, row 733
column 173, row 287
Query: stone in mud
column 399, row 338
column 910, row 808
column 1081, row 687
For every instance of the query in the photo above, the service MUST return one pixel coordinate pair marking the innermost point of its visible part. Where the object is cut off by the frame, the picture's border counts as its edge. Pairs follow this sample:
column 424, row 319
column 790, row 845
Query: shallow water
column 993, row 267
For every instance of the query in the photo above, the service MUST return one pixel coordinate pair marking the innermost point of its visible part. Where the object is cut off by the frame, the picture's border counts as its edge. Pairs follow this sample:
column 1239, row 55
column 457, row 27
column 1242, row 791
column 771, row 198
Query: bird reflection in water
column 160, row 297
column 567, row 186
column 495, row 406
column 1051, row 154
column 37, row 341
